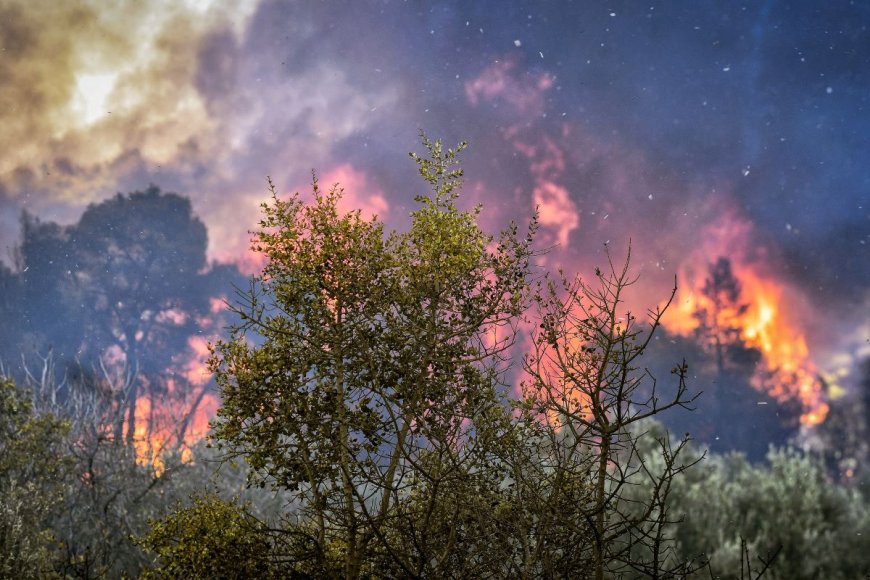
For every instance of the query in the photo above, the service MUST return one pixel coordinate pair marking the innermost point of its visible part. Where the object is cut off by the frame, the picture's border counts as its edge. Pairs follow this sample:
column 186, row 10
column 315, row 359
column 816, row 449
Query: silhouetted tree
column 138, row 257
column 738, row 415
column 128, row 285
column 716, row 329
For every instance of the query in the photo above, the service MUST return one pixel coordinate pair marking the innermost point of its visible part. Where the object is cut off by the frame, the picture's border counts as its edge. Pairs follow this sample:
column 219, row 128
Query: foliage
column 113, row 299
column 211, row 538
column 788, row 502
column 102, row 495
column 30, row 475
column 370, row 391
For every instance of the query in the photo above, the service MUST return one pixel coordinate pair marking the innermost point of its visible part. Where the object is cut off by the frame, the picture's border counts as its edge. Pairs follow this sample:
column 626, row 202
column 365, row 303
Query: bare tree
column 113, row 485
column 591, row 396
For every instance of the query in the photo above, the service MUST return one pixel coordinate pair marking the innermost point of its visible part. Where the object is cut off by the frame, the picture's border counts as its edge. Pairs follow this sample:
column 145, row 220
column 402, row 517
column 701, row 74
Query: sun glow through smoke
column 91, row 96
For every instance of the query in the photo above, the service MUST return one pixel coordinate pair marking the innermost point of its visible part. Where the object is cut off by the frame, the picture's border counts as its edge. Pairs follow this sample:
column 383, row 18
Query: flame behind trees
column 740, row 318
column 121, row 299
column 717, row 330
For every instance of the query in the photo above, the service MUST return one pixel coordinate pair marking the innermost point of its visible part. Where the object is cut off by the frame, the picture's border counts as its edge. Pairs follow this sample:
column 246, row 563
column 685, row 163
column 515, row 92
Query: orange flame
column 767, row 324
column 179, row 418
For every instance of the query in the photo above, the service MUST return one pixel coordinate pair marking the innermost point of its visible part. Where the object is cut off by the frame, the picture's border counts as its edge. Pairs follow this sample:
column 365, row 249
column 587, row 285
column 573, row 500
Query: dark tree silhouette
column 716, row 329
column 138, row 258
column 128, row 285
column 730, row 398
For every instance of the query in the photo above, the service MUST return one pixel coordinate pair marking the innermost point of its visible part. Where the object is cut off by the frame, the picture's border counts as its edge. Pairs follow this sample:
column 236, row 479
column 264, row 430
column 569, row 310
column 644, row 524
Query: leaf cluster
column 211, row 538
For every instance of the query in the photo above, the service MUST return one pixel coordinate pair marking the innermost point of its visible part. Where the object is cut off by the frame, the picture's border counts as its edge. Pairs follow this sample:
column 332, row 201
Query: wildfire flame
column 179, row 418
column 764, row 323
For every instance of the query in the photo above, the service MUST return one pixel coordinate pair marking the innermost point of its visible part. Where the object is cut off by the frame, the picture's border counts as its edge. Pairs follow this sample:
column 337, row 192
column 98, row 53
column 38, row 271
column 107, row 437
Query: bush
column 210, row 539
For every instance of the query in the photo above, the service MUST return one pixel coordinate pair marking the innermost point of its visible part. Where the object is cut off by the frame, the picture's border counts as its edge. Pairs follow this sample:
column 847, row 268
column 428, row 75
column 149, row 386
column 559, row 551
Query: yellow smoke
column 89, row 86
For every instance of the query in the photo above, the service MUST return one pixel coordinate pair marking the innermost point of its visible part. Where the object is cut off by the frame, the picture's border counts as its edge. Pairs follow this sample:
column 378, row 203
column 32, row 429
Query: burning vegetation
column 365, row 383
column 741, row 319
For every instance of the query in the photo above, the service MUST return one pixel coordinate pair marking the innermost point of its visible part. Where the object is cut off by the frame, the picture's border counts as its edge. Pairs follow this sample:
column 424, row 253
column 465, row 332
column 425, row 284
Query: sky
column 694, row 129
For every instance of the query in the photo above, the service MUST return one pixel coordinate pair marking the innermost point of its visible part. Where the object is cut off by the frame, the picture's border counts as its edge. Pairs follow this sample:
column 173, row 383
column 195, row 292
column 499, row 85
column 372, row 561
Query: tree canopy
column 371, row 390
column 125, row 287
column 368, row 380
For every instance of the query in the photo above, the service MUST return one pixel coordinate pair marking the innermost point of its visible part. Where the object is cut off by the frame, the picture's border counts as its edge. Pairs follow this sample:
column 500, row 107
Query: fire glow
column 175, row 421
column 163, row 428
column 786, row 372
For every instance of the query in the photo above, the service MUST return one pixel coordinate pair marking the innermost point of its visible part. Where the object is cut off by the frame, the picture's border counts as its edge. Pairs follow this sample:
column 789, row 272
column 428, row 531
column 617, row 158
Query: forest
column 419, row 403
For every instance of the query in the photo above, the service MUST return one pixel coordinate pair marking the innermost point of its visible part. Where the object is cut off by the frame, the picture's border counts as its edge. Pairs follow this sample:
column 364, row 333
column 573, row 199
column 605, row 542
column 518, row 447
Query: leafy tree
column 535, row 525
column 369, row 389
column 31, row 471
